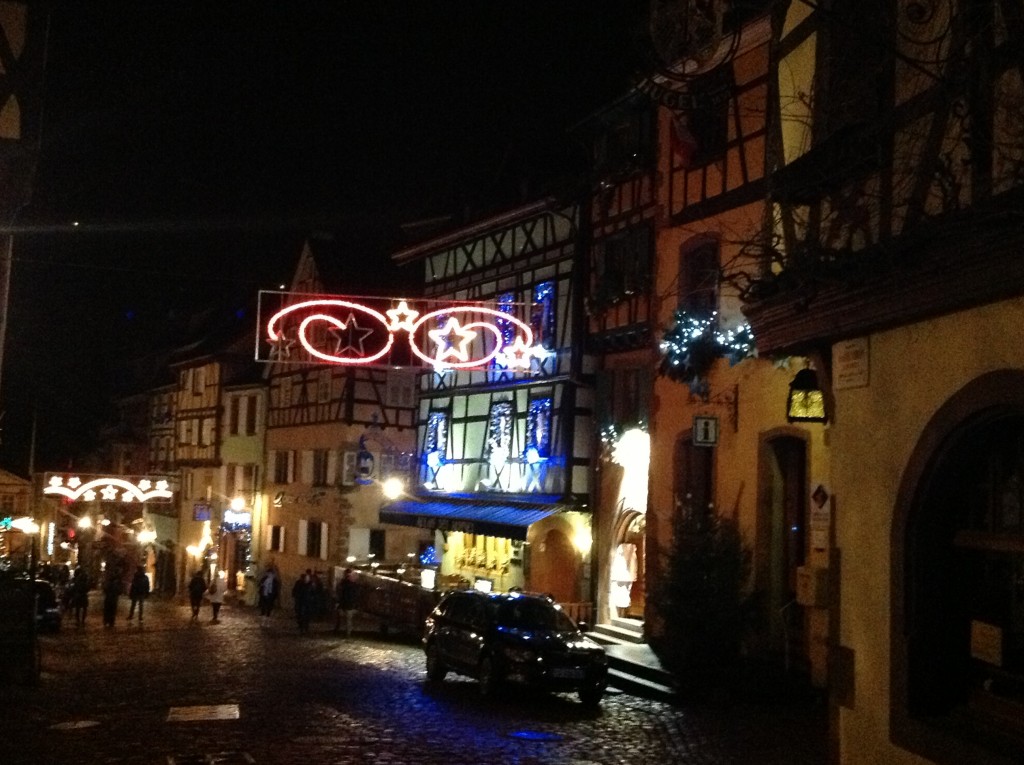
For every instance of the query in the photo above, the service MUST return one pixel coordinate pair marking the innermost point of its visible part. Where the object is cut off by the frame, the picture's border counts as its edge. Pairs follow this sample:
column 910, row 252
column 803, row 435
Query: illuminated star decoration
column 402, row 318
column 108, row 488
column 350, row 336
column 280, row 347
column 451, row 341
column 462, row 335
column 517, row 355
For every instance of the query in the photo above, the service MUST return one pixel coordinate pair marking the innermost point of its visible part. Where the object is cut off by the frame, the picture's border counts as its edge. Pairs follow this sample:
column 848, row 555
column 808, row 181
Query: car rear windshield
column 533, row 614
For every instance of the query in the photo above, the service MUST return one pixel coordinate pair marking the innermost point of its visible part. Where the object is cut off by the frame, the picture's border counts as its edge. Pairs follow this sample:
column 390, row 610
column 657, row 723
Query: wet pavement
column 238, row 692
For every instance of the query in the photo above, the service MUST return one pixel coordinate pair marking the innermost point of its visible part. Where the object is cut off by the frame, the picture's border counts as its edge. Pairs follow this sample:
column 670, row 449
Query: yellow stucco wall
column 913, row 371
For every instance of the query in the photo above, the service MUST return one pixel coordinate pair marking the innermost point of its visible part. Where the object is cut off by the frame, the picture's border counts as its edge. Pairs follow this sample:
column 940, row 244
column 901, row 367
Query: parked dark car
column 513, row 637
column 48, row 613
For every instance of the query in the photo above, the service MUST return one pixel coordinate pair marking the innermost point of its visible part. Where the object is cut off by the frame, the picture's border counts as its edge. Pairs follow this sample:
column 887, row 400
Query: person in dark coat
column 269, row 591
column 138, row 591
column 79, row 598
column 345, row 599
column 196, row 588
column 113, row 588
column 302, row 599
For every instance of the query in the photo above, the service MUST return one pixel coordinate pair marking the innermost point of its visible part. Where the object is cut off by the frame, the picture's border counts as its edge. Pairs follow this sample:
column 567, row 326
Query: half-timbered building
column 219, row 355
column 619, row 222
column 718, row 444
column 325, row 424
column 504, row 453
column 892, row 258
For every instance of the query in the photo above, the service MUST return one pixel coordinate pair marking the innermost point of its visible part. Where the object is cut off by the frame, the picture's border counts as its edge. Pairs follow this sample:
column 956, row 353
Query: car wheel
column 487, row 677
column 436, row 670
column 591, row 697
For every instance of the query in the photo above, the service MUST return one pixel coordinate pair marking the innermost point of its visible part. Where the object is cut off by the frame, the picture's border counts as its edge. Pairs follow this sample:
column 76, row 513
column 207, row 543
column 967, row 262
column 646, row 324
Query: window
column 401, row 388
column 622, row 265
column 499, row 432
column 198, row 381
column 709, row 124
column 349, row 463
column 378, row 548
column 437, row 433
column 284, row 466
column 698, row 276
column 321, row 464
column 694, row 475
column 313, row 539
column 543, row 314
column 538, row 428
column 7, row 504
column 207, row 437
column 250, row 415
column 275, row 538
column 233, row 415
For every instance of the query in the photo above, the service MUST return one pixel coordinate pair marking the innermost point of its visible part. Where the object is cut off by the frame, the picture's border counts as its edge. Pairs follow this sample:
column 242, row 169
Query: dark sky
column 196, row 144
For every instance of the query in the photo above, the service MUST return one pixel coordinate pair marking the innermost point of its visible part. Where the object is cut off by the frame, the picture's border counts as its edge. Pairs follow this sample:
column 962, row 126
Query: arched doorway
column 958, row 579
column 627, row 593
column 783, row 543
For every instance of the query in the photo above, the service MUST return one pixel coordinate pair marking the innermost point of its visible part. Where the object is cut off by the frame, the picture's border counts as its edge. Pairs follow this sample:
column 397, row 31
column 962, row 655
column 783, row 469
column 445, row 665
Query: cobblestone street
column 130, row 695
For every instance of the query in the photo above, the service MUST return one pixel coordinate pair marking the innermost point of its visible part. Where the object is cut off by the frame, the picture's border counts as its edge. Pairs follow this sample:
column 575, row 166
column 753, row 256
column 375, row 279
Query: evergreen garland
column 690, row 346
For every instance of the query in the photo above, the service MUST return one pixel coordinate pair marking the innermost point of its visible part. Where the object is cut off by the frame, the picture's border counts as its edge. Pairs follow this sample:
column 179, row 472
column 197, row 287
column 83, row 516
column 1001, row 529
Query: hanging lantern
column 806, row 400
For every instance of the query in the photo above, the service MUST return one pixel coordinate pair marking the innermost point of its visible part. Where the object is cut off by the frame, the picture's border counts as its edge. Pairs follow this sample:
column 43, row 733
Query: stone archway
column 628, row 580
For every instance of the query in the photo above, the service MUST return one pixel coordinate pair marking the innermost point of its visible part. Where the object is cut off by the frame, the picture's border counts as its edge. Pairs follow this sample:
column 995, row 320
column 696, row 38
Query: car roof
column 495, row 597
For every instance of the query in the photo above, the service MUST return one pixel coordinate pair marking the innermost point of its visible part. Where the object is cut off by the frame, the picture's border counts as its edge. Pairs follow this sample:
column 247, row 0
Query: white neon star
column 144, row 484
column 350, row 336
column 161, row 485
column 89, row 496
column 74, row 482
column 452, row 340
column 109, row 493
column 518, row 354
column 56, row 481
column 402, row 317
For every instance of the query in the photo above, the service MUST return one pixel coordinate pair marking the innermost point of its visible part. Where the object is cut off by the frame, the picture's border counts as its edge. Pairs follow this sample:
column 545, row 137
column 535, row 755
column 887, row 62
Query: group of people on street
column 213, row 592
column 308, row 596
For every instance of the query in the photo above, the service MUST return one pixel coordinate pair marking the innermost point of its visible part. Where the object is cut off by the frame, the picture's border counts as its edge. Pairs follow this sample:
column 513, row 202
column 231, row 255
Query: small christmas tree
column 701, row 598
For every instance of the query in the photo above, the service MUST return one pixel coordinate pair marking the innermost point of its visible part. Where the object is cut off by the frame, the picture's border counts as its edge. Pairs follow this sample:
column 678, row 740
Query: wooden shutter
column 323, row 541
column 303, row 537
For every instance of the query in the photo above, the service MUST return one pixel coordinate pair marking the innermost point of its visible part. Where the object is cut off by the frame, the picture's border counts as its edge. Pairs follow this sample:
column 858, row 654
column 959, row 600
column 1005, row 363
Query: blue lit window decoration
column 542, row 317
column 429, row 557
column 538, row 430
column 507, row 305
column 499, row 433
column 436, row 442
column 507, row 330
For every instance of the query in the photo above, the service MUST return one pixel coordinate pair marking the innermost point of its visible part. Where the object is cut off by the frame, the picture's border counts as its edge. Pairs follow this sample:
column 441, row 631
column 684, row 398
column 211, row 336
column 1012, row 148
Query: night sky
column 196, row 145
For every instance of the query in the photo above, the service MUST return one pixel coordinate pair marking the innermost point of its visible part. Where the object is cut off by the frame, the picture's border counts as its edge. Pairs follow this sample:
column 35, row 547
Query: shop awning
column 492, row 518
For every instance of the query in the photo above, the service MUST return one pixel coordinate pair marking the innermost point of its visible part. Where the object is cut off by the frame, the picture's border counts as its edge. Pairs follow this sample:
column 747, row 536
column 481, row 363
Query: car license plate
column 567, row 673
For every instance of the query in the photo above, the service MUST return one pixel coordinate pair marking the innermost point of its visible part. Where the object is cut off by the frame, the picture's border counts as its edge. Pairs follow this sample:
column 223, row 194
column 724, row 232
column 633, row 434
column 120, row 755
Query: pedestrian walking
column 113, row 587
column 79, row 598
column 196, row 589
column 345, row 600
column 138, row 591
column 302, row 599
column 269, row 591
column 215, row 594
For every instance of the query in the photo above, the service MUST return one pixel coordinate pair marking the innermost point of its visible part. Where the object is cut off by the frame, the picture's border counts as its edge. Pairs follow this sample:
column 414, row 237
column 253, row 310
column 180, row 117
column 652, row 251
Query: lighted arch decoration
column 109, row 489
column 443, row 336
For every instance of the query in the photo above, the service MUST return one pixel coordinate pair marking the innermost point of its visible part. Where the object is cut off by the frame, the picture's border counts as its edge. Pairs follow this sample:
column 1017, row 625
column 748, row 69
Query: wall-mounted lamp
column 806, row 400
